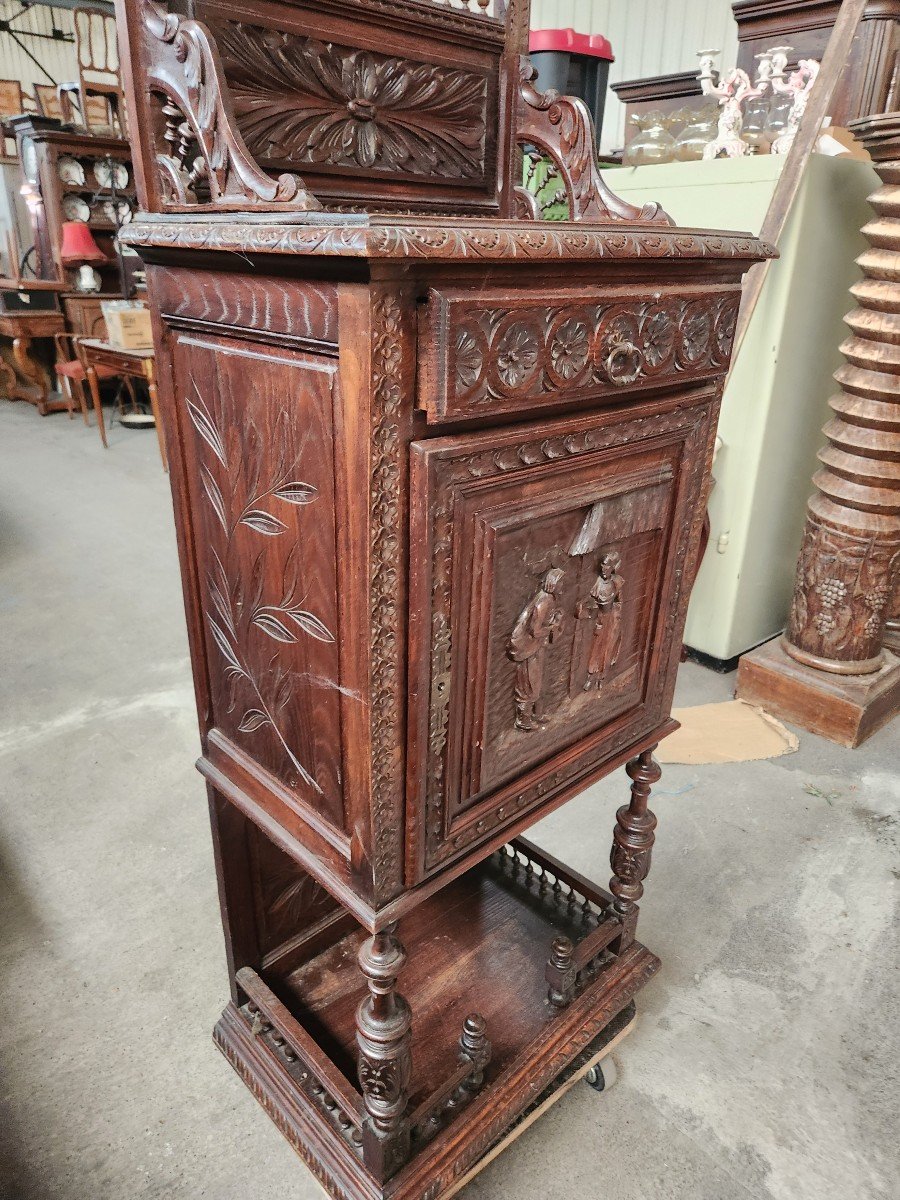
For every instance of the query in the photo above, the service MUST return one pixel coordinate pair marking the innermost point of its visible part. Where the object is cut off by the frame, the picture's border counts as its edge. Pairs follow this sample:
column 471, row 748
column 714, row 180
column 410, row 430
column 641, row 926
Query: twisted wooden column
column 831, row 672
column 851, row 545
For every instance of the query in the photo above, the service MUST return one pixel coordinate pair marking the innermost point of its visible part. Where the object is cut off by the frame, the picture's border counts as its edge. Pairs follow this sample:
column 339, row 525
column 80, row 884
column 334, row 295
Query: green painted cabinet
column 776, row 401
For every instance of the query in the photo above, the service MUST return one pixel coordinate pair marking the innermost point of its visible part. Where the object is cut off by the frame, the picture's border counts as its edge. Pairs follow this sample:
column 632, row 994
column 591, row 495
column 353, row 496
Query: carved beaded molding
column 523, row 240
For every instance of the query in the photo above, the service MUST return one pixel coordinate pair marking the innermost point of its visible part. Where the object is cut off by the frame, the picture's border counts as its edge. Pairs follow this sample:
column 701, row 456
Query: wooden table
column 23, row 376
column 138, row 364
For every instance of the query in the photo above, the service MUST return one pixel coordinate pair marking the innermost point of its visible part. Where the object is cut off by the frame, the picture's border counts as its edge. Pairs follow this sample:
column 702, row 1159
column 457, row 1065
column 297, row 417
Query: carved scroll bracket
column 192, row 116
column 561, row 127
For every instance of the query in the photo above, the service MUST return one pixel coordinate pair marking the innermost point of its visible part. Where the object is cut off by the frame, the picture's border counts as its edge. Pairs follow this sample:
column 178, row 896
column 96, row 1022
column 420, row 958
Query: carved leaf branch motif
column 183, row 67
column 237, row 668
column 561, row 127
column 238, row 610
column 315, row 102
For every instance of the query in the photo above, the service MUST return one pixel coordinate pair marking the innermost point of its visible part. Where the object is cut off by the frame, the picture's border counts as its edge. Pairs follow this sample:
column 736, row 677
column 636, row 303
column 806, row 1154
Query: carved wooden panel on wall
column 498, row 355
column 262, row 480
column 548, row 556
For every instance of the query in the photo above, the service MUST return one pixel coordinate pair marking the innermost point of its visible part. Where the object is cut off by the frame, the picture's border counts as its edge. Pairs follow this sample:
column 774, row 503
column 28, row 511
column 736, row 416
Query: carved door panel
column 257, row 430
column 546, row 608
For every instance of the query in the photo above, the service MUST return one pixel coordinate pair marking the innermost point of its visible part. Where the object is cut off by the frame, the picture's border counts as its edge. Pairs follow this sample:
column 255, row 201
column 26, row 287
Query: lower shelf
column 480, row 945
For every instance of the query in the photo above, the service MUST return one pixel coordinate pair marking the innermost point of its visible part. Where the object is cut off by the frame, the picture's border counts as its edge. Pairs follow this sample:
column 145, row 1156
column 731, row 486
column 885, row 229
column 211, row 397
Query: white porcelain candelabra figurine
column 733, row 92
column 800, row 83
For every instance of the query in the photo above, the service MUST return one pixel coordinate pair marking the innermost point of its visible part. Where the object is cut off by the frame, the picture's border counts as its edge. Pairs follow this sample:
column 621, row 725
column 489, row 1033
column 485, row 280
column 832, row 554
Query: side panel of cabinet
column 252, row 427
column 547, row 604
column 261, row 482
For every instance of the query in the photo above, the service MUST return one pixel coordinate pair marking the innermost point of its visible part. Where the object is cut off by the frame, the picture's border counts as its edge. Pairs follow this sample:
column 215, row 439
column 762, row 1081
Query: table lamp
column 79, row 250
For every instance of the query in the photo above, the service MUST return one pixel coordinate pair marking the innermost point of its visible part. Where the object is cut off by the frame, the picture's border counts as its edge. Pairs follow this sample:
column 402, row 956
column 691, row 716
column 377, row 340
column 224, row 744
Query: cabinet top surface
column 451, row 239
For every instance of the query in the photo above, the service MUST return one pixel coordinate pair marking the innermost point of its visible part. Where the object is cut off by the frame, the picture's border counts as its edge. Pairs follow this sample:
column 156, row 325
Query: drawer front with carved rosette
column 546, row 608
column 483, row 355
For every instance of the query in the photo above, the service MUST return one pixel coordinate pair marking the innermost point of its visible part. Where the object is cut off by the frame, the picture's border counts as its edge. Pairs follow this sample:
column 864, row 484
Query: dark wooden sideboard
column 439, row 483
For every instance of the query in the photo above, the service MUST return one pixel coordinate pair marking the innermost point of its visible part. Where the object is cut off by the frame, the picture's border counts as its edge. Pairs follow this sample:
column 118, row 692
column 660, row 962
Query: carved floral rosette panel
column 260, row 469
column 318, row 105
column 547, row 565
column 486, row 357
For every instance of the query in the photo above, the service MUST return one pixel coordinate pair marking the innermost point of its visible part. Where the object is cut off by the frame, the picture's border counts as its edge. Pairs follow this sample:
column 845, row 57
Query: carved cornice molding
column 501, row 241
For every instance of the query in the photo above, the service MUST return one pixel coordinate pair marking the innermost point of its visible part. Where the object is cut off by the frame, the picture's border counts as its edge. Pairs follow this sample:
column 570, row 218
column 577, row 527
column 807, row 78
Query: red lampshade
column 78, row 245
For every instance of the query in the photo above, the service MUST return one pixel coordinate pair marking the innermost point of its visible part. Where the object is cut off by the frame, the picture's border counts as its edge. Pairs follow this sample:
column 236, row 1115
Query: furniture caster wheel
column 602, row 1075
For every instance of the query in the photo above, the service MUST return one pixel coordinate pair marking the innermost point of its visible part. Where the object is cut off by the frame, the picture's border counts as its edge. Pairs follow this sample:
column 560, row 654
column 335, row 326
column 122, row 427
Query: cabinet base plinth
column 296, row 1064
column 343, row 1176
column 843, row 708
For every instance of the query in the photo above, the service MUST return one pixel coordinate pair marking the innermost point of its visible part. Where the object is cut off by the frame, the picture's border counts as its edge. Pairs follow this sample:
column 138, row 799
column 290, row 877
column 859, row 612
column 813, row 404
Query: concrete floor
column 764, row 1061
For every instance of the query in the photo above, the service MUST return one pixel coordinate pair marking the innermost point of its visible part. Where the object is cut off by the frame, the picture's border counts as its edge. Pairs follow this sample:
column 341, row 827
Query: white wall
column 649, row 37
column 57, row 57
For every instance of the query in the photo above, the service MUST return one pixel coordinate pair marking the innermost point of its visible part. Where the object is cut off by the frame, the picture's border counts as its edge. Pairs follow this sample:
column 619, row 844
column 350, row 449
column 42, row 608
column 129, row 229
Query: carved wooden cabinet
column 439, row 483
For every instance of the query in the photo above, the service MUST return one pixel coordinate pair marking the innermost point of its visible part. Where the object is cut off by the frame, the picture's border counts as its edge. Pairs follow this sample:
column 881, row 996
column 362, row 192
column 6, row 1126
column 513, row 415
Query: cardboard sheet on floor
column 728, row 732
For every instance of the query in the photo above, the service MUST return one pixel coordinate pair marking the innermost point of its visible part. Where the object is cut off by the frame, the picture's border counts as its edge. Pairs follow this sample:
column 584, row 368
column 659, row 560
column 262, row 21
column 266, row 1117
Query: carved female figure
column 605, row 605
column 537, row 624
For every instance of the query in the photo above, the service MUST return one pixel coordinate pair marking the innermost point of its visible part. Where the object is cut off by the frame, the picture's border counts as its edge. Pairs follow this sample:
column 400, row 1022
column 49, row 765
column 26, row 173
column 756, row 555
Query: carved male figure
column 604, row 606
column 535, row 629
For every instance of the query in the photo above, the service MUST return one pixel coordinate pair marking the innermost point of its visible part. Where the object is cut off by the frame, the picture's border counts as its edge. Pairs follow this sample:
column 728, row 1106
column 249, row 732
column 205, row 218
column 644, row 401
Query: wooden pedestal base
column 843, row 708
column 482, row 944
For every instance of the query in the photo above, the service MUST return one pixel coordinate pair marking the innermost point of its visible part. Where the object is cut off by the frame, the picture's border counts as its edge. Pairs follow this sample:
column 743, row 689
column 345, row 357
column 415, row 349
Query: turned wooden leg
column 561, row 973
column 98, row 407
column 633, row 843
column 32, row 371
column 154, row 408
column 383, row 1024
column 475, row 1048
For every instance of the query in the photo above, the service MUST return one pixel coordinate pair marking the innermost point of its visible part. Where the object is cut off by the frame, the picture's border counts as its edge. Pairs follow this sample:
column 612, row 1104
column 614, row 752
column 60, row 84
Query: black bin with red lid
column 575, row 64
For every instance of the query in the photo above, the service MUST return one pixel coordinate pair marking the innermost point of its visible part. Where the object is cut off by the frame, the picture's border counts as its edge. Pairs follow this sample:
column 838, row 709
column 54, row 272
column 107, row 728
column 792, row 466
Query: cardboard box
column 128, row 325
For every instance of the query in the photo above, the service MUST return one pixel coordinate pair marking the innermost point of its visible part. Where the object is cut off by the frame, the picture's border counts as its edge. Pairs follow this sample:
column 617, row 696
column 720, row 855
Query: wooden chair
column 97, row 94
column 74, row 378
column 70, row 373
